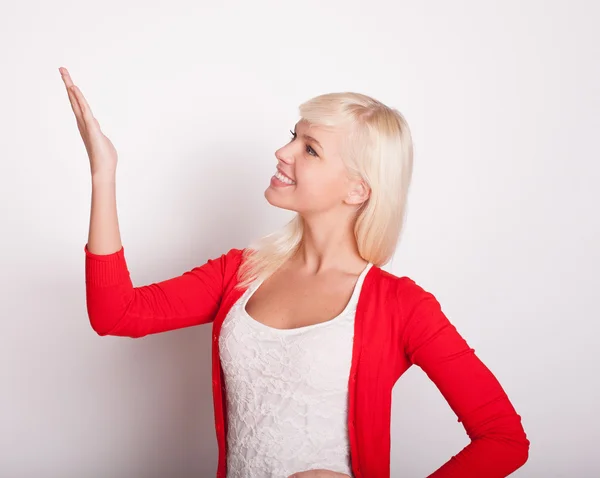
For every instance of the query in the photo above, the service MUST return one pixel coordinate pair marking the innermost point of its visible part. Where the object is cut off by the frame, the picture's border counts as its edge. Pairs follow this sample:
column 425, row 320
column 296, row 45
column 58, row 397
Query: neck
column 328, row 244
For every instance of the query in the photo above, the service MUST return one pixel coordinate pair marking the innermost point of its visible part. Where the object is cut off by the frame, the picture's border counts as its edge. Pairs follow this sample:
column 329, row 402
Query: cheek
column 320, row 184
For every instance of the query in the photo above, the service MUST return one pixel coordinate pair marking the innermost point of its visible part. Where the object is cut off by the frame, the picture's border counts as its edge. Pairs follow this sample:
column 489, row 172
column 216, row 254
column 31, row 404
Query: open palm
column 100, row 150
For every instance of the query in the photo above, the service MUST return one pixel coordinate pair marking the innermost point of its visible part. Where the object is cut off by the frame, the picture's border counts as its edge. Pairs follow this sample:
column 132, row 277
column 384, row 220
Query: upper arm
column 116, row 307
column 475, row 395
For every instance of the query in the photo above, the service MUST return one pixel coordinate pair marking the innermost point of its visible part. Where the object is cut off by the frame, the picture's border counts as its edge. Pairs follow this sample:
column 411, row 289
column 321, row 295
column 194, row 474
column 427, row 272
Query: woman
column 309, row 333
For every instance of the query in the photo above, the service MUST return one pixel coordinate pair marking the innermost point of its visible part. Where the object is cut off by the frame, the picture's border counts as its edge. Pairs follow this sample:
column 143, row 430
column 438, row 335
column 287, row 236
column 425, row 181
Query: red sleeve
column 499, row 444
column 116, row 307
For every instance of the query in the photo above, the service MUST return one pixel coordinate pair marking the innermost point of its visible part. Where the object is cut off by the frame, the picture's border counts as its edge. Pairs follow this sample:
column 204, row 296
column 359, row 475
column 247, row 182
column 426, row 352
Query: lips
column 281, row 171
column 281, row 179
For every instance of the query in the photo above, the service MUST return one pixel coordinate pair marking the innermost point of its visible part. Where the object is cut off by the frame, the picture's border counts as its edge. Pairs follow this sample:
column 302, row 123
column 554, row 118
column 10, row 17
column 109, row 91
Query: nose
column 285, row 156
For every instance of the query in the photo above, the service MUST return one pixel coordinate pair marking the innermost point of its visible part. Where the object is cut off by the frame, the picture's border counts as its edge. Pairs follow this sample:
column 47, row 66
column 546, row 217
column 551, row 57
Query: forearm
column 489, row 457
column 499, row 444
column 104, row 236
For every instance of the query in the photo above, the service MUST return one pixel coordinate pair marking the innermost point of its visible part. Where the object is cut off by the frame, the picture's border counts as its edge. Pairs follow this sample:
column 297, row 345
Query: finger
column 86, row 111
column 72, row 98
column 74, row 105
column 64, row 73
column 84, row 107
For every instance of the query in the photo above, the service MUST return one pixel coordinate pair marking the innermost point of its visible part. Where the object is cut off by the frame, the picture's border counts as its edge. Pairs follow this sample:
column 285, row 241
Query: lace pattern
column 286, row 392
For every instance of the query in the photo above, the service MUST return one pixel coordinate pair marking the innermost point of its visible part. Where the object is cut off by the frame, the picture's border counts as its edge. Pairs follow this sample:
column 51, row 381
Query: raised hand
column 100, row 150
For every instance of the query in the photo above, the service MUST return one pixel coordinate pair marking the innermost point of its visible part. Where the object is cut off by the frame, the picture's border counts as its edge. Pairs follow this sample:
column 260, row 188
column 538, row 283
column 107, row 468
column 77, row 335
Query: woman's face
column 312, row 161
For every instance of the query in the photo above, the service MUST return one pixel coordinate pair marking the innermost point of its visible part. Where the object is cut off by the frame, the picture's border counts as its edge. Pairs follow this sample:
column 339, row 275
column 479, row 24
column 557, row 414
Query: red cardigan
column 397, row 324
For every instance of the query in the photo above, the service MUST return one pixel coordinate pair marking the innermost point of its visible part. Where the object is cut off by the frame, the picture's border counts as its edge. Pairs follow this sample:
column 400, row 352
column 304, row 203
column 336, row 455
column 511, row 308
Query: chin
column 273, row 199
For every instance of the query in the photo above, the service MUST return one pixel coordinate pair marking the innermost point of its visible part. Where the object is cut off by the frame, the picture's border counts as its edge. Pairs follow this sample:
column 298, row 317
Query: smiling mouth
column 284, row 179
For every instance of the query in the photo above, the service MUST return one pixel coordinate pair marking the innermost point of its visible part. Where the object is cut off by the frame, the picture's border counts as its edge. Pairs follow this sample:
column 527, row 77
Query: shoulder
column 233, row 258
column 403, row 295
column 416, row 314
column 230, row 257
column 403, row 287
column 225, row 266
column 234, row 254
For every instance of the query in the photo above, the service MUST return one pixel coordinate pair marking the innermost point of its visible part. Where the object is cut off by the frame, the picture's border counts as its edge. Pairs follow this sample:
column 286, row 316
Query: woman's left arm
column 499, row 444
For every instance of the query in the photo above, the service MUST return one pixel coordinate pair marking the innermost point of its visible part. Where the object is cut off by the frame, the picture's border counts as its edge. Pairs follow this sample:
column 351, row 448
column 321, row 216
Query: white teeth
column 282, row 178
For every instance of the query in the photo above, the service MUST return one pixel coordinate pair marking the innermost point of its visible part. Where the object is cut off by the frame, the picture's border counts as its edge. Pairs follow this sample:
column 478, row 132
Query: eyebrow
column 310, row 138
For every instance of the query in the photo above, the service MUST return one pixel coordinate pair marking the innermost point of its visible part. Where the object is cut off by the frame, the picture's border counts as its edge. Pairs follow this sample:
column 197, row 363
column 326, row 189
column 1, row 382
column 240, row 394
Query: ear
column 359, row 192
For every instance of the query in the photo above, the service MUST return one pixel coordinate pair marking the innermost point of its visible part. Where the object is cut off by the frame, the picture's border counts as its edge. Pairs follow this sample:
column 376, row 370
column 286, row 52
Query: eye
column 309, row 149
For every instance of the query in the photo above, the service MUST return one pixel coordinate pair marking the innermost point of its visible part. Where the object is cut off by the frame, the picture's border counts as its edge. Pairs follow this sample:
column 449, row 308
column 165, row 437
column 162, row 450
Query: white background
column 503, row 100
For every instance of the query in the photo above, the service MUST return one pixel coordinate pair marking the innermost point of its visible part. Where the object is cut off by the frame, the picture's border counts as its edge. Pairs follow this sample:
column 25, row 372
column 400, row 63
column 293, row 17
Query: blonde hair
column 379, row 149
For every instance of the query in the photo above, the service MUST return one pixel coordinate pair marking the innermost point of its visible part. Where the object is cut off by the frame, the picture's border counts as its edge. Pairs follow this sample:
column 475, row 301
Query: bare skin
column 317, row 282
column 318, row 474
column 292, row 298
column 314, row 285
column 104, row 236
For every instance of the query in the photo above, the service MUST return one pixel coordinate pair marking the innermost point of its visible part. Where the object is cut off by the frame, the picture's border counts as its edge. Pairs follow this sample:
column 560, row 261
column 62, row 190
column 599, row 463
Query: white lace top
column 286, row 392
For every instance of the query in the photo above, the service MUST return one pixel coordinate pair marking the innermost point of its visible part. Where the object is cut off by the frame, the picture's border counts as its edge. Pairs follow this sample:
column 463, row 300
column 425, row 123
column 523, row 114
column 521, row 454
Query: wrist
column 104, row 178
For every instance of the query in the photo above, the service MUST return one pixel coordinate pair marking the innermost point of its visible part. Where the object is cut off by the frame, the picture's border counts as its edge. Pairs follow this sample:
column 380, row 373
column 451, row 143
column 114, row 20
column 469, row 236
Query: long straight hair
column 379, row 149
